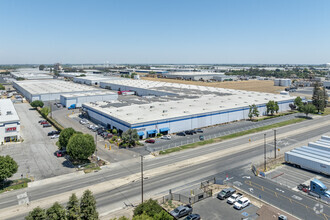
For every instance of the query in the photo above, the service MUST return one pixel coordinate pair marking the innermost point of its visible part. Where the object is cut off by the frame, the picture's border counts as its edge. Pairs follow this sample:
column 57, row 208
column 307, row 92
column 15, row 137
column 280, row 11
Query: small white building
column 9, row 122
column 78, row 99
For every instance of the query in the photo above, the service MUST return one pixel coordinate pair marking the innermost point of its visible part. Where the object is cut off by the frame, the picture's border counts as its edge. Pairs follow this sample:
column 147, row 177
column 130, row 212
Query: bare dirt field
column 251, row 85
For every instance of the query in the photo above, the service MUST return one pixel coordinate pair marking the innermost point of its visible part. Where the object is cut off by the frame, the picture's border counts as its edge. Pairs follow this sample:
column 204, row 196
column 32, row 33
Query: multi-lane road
column 119, row 184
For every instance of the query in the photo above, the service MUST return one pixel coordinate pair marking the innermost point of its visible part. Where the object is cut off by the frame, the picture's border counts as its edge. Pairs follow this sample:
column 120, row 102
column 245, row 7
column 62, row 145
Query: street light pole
column 141, row 179
column 275, row 143
column 265, row 152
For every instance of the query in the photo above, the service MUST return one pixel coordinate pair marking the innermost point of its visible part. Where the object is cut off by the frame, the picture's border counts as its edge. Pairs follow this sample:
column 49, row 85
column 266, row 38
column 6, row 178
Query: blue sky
column 164, row 31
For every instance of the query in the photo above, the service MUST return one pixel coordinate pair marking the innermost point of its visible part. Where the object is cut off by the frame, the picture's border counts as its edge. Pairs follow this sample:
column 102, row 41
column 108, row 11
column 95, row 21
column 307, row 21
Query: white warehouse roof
column 88, row 94
column 7, row 111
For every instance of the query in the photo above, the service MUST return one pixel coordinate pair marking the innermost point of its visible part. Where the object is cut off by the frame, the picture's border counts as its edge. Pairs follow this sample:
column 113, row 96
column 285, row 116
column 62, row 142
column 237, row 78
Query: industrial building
column 187, row 107
column 79, row 98
column 9, row 122
column 199, row 76
column 282, row 82
column 31, row 74
column 94, row 79
column 47, row 90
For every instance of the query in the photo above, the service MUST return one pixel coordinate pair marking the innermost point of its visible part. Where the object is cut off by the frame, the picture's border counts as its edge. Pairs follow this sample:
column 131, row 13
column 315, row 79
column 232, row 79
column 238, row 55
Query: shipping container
column 312, row 149
column 314, row 155
column 308, row 163
column 319, row 146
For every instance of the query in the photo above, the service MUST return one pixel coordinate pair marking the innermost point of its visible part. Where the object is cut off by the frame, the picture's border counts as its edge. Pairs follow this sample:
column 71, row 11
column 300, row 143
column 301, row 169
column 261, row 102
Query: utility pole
column 141, row 179
column 96, row 142
column 275, row 143
column 265, row 152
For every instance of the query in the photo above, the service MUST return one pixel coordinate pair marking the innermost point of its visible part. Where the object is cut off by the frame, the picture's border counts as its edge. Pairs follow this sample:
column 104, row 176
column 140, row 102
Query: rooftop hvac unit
column 164, row 111
column 9, row 113
column 151, row 106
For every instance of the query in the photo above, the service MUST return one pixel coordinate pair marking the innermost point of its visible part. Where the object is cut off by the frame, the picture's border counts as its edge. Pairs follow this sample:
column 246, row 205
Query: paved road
column 35, row 156
column 212, row 132
column 238, row 163
column 282, row 197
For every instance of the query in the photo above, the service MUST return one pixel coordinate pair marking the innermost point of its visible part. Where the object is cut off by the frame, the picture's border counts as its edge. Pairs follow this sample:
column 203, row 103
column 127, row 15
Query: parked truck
column 73, row 106
column 314, row 163
column 317, row 189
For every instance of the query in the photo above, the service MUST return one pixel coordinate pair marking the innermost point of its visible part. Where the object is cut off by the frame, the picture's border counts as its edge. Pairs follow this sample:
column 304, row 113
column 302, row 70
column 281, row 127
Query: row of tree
column 74, row 210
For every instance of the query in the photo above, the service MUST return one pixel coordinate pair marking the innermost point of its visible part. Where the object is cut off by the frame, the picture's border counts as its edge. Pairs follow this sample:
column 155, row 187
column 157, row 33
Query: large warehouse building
column 9, row 122
column 31, row 74
column 94, row 80
column 191, row 107
column 47, row 90
column 79, row 98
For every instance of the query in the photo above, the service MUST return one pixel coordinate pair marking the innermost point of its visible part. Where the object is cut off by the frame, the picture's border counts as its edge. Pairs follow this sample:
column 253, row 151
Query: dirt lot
column 251, row 85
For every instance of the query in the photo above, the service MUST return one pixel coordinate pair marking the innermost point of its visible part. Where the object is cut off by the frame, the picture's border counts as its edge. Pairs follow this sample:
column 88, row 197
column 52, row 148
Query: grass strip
column 15, row 184
column 230, row 136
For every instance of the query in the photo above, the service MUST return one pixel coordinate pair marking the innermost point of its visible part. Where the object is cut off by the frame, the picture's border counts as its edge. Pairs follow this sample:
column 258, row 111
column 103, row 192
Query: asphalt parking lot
column 291, row 177
column 35, row 155
column 213, row 208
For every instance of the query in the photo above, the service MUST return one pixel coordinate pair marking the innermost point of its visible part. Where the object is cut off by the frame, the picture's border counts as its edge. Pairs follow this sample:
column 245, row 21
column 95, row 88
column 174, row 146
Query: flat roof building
column 94, row 79
column 46, row 90
column 79, row 98
column 195, row 107
column 31, row 74
column 9, row 122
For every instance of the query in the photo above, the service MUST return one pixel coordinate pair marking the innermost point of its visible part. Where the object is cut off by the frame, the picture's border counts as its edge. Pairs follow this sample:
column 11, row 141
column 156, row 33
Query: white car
column 166, row 137
column 242, row 203
column 55, row 136
column 84, row 121
column 234, row 198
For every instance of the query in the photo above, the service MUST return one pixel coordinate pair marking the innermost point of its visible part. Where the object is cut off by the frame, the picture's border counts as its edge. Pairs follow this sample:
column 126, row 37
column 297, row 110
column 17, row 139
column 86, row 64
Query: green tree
column 276, row 107
column 2, row 87
column 37, row 103
column 81, row 146
column 271, row 107
column 73, row 208
column 65, row 136
column 319, row 99
column 150, row 207
column 309, row 108
column 121, row 218
column 56, row 212
column 143, row 216
column 114, row 131
column 298, row 102
column 255, row 110
column 45, row 111
column 250, row 115
column 42, row 67
column 163, row 216
column 130, row 137
column 8, row 167
column 37, row 214
column 88, row 206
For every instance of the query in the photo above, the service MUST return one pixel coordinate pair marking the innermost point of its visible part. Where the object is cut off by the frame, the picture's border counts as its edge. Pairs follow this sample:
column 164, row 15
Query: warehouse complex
column 47, row 90
column 181, row 108
column 31, row 74
column 9, row 122
column 79, row 98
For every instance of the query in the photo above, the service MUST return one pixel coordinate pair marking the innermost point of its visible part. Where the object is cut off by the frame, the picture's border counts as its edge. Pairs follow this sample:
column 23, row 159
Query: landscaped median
column 230, row 136
column 14, row 184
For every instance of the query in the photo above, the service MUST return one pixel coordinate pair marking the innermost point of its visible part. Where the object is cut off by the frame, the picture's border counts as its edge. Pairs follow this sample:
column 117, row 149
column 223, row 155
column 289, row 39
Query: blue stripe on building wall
column 182, row 119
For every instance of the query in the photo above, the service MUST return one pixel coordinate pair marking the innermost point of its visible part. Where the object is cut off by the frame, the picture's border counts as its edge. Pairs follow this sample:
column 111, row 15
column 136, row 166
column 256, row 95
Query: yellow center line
column 271, row 192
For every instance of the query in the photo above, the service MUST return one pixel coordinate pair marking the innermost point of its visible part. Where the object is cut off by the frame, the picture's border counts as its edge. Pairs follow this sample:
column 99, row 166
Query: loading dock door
column 164, row 131
column 151, row 133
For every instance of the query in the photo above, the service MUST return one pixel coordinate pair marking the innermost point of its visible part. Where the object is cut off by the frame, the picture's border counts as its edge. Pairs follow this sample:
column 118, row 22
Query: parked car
column 190, row 132
column 193, row 217
column 201, row 137
column 181, row 134
column 181, row 211
column 225, row 193
column 83, row 121
column 91, row 126
column 51, row 133
column 166, row 137
column 152, row 141
column 234, row 198
column 242, row 203
column 46, row 125
column 100, row 131
column 199, row 130
column 55, row 136
column 44, row 122
column 60, row 153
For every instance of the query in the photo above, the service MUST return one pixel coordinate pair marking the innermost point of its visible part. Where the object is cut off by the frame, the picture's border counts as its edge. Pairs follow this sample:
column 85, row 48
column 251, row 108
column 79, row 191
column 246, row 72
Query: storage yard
column 251, row 85
column 49, row 90
column 180, row 107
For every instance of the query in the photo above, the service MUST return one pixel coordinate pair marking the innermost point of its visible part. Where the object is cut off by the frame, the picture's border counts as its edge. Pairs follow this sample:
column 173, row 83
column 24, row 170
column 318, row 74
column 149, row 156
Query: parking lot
column 35, row 155
column 291, row 177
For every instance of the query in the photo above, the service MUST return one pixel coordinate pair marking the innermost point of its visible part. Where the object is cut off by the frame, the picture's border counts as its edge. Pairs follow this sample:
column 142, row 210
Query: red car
column 152, row 141
column 44, row 122
column 60, row 153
